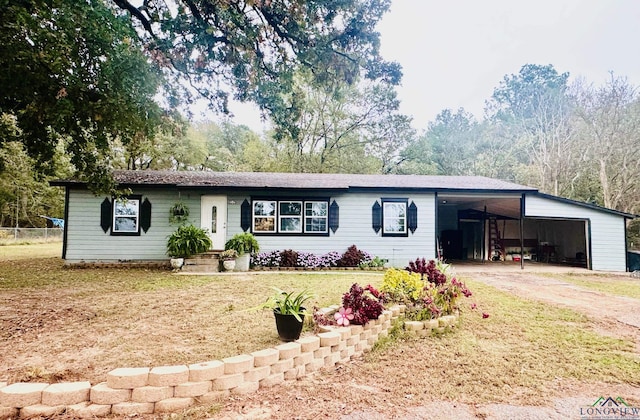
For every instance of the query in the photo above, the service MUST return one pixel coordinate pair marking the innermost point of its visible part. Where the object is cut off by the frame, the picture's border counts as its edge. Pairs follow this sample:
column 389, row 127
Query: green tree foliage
column 578, row 141
column 225, row 145
column 520, row 97
column 344, row 128
column 532, row 112
column 88, row 72
column 454, row 140
column 169, row 148
column 252, row 49
column 24, row 194
column 609, row 128
column 75, row 70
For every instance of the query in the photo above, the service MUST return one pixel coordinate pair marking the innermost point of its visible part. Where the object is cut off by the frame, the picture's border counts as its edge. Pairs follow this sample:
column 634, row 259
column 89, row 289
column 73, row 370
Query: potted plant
column 228, row 258
column 244, row 244
column 288, row 311
column 178, row 213
column 186, row 241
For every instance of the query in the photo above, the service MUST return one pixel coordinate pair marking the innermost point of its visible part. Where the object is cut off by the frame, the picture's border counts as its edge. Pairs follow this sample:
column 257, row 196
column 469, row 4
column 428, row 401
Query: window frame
column 325, row 217
column 264, row 216
column 395, row 201
column 114, row 208
column 303, row 231
column 299, row 216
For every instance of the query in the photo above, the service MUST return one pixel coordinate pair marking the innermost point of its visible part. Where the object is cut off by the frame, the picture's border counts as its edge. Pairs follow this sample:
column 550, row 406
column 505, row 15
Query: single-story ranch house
column 395, row 217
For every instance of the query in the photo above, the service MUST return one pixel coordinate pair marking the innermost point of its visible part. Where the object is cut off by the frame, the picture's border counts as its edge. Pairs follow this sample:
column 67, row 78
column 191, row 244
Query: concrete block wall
column 426, row 328
column 164, row 389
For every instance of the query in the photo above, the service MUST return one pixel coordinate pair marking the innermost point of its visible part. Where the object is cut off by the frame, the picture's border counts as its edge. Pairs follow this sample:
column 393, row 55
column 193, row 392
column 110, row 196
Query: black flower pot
column 289, row 328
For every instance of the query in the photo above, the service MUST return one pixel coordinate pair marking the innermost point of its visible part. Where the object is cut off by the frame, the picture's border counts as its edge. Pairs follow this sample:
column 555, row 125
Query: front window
column 315, row 216
column 394, row 218
column 264, row 216
column 126, row 216
column 290, row 216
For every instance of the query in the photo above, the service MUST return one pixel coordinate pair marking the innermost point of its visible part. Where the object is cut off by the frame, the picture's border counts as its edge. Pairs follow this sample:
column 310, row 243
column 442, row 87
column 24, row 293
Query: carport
column 495, row 227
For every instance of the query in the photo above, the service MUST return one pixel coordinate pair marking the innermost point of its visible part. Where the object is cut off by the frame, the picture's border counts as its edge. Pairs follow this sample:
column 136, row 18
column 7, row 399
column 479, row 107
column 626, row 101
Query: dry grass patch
column 62, row 324
column 13, row 251
column 71, row 324
column 613, row 285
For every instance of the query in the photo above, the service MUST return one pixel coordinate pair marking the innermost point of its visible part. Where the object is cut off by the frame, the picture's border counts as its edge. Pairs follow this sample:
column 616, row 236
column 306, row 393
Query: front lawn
column 58, row 323
column 77, row 324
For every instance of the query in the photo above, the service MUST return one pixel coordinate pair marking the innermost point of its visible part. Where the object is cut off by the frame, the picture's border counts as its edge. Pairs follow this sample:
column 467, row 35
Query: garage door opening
column 483, row 228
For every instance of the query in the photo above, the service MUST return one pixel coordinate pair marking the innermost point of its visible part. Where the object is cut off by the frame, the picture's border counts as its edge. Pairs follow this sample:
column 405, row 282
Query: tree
column 453, row 141
column 343, row 128
column 24, row 195
column 252, row 49
column 519, row 96
column 88, row 83
column 533, row 112
column 610, row 126
column 225, row 143
column 96, row 84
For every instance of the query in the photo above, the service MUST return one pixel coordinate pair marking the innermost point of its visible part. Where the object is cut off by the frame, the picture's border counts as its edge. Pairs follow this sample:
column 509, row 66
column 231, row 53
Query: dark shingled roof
column 311, row 181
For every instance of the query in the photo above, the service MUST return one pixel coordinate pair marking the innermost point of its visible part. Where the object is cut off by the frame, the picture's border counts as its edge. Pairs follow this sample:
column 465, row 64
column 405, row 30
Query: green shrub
column 243, row 243
column 187, row 241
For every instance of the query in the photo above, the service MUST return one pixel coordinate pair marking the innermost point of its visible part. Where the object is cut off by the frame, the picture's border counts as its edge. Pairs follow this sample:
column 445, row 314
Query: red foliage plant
column 428, row 270
column 351, row 258
column 365, row 306
column 288, row 258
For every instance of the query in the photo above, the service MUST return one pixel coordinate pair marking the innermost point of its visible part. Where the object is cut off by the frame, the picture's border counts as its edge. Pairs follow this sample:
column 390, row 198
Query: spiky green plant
column 288, row 303
column 187, row 241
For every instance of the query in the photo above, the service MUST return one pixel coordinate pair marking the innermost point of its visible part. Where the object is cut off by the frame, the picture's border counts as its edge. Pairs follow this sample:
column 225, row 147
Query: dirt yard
column 389, row 385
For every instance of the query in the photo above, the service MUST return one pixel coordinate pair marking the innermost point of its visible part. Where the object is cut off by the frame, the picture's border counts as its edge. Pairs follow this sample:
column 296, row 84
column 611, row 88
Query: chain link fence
column 30, row 234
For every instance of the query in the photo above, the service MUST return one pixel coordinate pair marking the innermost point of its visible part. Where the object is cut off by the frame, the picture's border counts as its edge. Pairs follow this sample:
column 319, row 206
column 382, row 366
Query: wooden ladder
column 495, row 243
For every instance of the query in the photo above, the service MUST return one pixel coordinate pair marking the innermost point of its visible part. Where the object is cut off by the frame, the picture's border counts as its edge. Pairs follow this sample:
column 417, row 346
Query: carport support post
column 522, row 232
column 484, row 221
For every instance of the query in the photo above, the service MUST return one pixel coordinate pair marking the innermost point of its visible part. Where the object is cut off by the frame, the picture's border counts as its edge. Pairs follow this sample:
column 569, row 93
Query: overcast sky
column 455, row 52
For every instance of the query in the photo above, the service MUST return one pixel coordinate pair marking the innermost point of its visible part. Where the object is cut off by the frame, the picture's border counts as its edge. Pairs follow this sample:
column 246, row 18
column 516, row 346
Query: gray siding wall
column 86, row 241
column 355, row 229
column 608, row 251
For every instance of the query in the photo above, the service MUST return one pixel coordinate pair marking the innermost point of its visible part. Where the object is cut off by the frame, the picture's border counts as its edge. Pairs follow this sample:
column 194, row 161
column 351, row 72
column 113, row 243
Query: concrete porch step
column 201, row 268
column 207, row 262
column 213, row 254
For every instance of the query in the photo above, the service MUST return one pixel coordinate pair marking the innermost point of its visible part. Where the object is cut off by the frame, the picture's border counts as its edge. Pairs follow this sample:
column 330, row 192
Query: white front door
column 213, row 218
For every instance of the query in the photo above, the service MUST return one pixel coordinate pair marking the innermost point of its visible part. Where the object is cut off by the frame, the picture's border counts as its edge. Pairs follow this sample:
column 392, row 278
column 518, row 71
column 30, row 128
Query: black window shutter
column 376, row 217
column 105, row 215
column 245, row 215
column 412, row 217
column 145, row 215
column 334, row 216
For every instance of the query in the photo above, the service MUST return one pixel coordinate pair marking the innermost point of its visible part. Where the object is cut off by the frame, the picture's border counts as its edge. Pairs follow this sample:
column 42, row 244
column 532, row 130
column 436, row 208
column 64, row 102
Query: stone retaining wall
column 164, row 389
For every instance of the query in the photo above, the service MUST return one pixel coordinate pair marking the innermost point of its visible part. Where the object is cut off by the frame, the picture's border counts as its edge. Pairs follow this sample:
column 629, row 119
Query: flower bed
column 290, row 259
